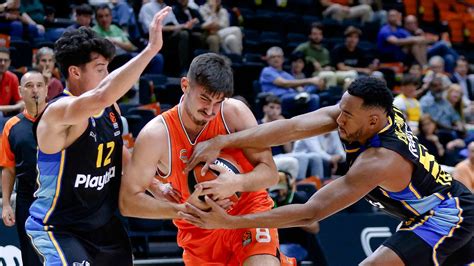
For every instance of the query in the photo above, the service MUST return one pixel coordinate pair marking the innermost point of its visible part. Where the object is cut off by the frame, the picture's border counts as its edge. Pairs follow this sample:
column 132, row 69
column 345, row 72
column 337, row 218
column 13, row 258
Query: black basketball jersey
column 79, row 186
column 430, row 186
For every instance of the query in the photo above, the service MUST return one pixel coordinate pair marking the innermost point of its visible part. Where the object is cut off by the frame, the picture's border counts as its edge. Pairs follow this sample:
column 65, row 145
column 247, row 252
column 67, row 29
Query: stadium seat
column 22, row 55
column 147, row 85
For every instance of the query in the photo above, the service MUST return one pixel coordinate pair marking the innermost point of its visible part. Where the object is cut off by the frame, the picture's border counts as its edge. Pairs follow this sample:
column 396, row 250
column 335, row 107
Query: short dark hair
column 4, row 50
column 213, row 72
column 271, row 98
column 409, row 79
column 84, row 9
column 373, row 91
column 75, row 47
column 317, row 25
column 102, row 6
column 296, row 55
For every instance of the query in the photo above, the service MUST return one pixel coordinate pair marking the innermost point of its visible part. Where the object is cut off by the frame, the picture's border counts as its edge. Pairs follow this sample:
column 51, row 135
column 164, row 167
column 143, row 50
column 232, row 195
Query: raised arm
column 365, row 174
column 268, row 134
column 114, row 86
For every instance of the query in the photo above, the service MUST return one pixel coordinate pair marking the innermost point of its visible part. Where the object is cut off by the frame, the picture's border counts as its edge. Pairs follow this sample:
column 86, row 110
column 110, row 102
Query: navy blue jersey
column 430, row 204
column 79, row 186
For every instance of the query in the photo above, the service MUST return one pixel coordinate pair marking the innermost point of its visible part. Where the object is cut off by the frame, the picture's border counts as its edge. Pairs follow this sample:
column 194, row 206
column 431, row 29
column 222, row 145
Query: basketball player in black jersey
column 387, row 165
column 72, row 220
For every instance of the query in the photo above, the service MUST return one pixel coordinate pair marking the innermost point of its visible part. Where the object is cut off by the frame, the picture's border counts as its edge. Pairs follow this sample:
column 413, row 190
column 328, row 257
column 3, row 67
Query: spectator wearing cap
column 350, row 57
column 282, row 84
column 83, row 14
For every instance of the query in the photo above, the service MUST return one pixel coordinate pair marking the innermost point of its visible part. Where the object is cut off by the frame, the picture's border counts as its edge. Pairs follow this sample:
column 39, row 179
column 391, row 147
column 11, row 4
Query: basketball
column 225, row 161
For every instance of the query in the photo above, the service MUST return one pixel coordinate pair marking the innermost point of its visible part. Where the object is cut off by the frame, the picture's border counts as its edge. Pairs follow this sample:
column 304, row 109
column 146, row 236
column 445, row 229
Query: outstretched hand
column 206, row 152
column 155, row 39
column 217, row 217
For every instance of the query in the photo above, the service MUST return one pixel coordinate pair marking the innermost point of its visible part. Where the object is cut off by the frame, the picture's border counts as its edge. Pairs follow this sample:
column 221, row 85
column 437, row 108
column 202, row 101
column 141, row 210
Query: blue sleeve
column 268, row 76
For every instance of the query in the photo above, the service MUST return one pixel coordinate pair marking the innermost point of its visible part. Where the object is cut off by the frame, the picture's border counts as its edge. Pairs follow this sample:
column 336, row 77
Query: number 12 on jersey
column 100, row 153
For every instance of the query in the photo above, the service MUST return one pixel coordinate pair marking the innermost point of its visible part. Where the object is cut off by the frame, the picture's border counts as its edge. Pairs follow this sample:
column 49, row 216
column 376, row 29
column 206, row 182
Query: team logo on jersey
column 83, row 263
column 183, row 155
column 96, row 182
column 246, row 238
column 93, row 121
column 92, row 134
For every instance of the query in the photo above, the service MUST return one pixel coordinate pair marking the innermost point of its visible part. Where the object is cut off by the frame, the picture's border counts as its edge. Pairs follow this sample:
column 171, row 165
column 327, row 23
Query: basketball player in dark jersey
column 387, row 165
column 72, row 220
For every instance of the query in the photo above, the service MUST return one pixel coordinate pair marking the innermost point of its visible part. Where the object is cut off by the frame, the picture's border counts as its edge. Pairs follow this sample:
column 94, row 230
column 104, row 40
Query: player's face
column 92, row 73
column 200, row 105
column 353, row 118
column 33, row 87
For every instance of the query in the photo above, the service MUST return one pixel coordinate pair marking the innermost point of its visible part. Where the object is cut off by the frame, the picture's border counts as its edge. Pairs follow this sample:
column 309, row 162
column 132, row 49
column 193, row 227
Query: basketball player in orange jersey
column 163, row 147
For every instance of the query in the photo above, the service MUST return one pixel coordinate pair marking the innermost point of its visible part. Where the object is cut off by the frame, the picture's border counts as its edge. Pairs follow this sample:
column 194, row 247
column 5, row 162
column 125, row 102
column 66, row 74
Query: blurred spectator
column 318, row 57
column 436, row 69
column 10, row 99
column 349, row 56
column 199, row 35
column 83, row 15
column 417, row 71
column 341, row 10
column 428, row 137
column 297, row 65
column 15, row 22
column 45, row 63
column 441, row 111
column 217, row 23
column 283, row 160
column 395, row 43
column 406, row 101
column 119, row 38
column 327, row 146
column 176, row 37
column 461, row 77
column 464, row 171
column 455, row 98
column 275, row 80
column 438, row 47
column 123, row 16
column 285, row 193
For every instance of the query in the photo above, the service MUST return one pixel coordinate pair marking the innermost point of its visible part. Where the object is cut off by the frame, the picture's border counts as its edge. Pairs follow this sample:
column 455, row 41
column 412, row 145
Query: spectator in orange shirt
column 10, row 99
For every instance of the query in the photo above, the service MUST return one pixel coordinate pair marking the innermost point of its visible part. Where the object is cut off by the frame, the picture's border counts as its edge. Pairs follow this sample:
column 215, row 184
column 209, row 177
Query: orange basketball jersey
column 181, row 148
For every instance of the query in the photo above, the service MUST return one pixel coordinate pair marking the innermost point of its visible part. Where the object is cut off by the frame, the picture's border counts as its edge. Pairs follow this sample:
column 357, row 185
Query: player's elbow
column 125, row 202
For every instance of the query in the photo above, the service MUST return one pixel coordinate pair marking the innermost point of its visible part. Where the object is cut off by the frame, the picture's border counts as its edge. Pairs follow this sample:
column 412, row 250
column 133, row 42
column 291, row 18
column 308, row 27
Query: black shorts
column 423, row 242
column 107, row 245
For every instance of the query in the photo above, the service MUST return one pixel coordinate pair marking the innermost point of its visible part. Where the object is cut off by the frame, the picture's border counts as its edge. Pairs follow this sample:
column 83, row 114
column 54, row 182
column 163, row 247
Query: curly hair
column 213, row 72
column 373, row 91
column 75, row 47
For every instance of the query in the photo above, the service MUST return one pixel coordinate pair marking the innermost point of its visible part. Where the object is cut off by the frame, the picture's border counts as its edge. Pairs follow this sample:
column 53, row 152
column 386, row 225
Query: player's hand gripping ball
column 225, row 161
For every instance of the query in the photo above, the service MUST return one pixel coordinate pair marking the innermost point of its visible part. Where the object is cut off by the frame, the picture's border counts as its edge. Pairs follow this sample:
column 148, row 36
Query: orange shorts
column 230, row 247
